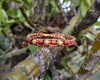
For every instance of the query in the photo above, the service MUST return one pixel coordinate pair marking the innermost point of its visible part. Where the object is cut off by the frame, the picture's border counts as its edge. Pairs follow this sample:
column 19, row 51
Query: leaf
column 65, row 73
column 64, row 62
column 46, row 77
column 16, row 13
column 96, row 45
column 27, row 1
column 97, row 23
column 95, row 76
column 76, row 2
column 69, row 29
column 84, row 6
column 17, row 1
column 54, row 12
column 90, row 36
column 1, row 25
column 1, row 31
column 55, row 9
column 32, row 48
column 89, row 2
column 53, row 3
column 10, row 21
column 4, row 44
column 3, row 16
column 65, row 1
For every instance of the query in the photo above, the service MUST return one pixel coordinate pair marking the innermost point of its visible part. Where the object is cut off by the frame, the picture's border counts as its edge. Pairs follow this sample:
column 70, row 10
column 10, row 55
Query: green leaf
column 65, row 1
column 27, row 1
column 54, row 12
column 18, row 1
column 97, row 23
column 96, row 45
column 29, row 13
column 1, row 2
column 53, row 3
column 32, row 48
column 10, row 21
column 46, row 77
column 68, row 29
column 55, row 9
column 16, row 13
column 84, row 6
column 64, row 62
column 1, row 25
column 89, row 2
column 4, row 44
column 90, row 36
column 76, row 2
column 3, row 16
column 1, row 31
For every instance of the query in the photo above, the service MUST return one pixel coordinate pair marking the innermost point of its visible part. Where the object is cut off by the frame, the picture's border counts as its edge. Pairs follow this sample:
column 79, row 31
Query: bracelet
column 54, row 39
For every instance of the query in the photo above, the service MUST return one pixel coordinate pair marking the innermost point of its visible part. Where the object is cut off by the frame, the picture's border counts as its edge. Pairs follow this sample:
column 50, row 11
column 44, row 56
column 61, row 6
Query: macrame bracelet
column 55, row 39
column 51, row 39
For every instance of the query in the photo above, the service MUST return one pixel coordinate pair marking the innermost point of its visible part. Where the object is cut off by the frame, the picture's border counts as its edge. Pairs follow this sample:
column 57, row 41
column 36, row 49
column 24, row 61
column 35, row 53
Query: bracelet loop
column 54, row 39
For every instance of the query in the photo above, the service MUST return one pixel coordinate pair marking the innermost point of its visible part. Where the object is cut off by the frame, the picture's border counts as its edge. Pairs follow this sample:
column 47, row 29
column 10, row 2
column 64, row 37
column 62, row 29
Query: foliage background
column 75, row 17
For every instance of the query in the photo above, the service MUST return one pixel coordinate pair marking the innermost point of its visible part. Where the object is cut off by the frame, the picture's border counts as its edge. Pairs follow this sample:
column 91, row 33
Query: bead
column 53, row 42
column 23, row 44
column 29, row 40
column 60, row 42
column 34, row 41
column 47, row 42
column 40, row 41
column 66, row 42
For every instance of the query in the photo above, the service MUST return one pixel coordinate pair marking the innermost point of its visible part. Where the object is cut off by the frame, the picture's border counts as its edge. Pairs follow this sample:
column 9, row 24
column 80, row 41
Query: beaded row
column 66, row 40
column 52, row 42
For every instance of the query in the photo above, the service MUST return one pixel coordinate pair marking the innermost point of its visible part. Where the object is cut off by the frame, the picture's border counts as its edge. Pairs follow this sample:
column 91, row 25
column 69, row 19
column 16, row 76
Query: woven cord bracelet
column 54, row 39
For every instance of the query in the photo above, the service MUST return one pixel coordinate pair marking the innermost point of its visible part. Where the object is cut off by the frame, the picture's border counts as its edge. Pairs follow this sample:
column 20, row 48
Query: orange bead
column 66, row 42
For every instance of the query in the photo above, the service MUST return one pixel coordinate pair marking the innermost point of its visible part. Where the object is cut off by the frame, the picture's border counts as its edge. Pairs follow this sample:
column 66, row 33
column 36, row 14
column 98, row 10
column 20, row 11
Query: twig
column 44, row 9
column 90, row 18
column 62, row 11
column 28, row 19
column 13, row 53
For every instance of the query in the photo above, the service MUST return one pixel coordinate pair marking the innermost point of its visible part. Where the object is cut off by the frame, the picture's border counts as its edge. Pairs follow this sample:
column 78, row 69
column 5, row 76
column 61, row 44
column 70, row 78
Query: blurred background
column 80, row 18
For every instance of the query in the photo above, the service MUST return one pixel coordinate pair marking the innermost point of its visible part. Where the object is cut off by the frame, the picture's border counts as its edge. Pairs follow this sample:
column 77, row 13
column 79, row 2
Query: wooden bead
column 34, row 41
column 60, row 42
column 47, row 42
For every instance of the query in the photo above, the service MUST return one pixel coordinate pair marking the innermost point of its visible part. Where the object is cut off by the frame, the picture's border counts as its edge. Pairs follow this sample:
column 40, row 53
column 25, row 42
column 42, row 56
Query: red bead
column 29, row 40
column 66, row 42
column 23, row 44
column 41, row 41
column 53, row 42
